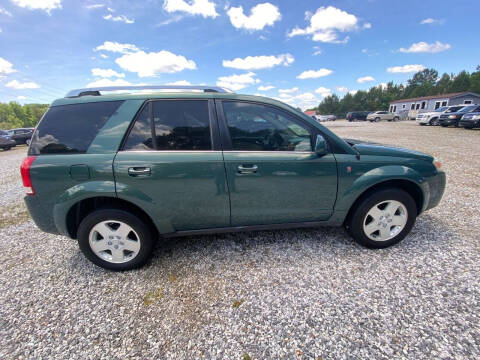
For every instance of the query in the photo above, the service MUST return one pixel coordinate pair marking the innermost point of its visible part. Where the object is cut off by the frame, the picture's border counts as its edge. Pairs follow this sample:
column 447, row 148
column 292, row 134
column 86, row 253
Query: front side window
column 70, row 129
column 255, row 127
column 178, row 125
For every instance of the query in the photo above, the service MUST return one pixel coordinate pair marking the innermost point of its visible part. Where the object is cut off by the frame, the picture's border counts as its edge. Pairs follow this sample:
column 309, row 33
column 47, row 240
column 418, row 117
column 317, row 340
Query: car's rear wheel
column 115, row 239
column 382, row 219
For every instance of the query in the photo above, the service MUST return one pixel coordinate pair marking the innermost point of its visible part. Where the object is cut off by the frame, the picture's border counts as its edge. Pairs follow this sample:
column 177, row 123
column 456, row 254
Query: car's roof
column 169, row 95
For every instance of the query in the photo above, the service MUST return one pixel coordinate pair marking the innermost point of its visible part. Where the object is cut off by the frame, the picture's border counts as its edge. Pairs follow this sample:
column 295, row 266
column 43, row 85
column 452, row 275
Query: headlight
column 452, row 116
column 437, row 163
column 476, row 117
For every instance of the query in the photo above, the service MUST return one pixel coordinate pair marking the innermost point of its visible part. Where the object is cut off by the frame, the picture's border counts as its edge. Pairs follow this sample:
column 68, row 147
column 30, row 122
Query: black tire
column 396, row 118
column 377, row 119
column 7, row 148
column 354, row 223
column 140, row 227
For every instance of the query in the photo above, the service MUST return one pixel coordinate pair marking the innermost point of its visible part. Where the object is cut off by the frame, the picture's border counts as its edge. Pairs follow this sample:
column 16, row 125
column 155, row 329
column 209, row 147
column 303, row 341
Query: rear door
column 273, row 174
column 171, row 165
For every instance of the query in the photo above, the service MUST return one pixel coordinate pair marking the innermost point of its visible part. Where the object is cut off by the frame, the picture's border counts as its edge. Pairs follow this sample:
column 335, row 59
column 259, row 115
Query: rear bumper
column 41, row 216
column 436, row 189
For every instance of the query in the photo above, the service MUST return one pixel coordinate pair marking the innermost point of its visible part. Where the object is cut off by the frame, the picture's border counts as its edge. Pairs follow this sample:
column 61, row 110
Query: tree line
column 13, row 115
column 423, row 83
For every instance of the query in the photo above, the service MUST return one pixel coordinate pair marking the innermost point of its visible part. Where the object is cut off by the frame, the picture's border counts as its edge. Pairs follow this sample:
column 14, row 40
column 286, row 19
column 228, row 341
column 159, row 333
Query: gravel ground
column 298, row 294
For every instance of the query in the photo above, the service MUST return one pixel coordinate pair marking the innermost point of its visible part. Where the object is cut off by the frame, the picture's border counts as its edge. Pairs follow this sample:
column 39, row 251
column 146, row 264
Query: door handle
column 139, row 171
column 248, row 169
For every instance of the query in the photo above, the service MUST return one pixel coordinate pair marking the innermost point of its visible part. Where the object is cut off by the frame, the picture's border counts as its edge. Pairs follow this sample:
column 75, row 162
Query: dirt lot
column 297, row 294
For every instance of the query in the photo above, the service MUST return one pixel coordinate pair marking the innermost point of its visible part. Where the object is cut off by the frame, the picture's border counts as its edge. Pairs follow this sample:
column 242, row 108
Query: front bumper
column 448, row 122
column 436, row 189
column 469, row 123
column 423, row 120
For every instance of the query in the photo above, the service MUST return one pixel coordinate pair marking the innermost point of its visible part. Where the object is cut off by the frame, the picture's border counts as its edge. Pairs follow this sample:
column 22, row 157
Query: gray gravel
column 298, row 294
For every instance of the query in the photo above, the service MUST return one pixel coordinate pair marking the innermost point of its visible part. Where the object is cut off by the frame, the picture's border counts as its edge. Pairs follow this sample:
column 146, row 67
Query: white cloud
column 367, row 25
column 342, row 88
column 317, row 51
column 6, row 67
column 103, row 56
column 108, row 82
column 14, row 84
column 314, row 74
column 119, row 18
column 323, row 91
column 406, row 69
column 431, row 21
column 45, row 5
column 288, row 91
column 261, row 15
column 265, row 88
column 204, row 8
column 21, row 97
column 94, row 6
column 237, row 82
column 353, row 92
column 117, row 47
column 154, row 63
column 365, row 79
column 303, row 100
column 106, row 73
column 327, row 23
column 5, row 12
column 259, row 62
column 383, row 85
column 423, row 47
column 179, row 83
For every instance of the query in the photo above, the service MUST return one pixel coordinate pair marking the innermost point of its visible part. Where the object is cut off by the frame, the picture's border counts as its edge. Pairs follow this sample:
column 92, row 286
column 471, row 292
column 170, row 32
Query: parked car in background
column 21, row 135
column 322, row 118
column 432, row 117
column 6, row 142
column 470, row 120
column 357, row 115
column 382, row 115
column 453, row 115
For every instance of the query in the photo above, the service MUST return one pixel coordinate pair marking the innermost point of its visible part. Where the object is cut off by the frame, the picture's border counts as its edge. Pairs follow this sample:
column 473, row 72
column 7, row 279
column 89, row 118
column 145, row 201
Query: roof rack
column 96, row 91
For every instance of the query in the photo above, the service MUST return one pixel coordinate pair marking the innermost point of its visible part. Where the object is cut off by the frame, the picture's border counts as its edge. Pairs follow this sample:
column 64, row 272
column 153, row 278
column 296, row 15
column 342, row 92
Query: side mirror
column 321, row 146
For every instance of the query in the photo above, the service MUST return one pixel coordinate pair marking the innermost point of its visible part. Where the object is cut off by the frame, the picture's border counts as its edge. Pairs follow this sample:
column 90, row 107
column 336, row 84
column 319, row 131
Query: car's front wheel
column 115, row 239
column 382, row 218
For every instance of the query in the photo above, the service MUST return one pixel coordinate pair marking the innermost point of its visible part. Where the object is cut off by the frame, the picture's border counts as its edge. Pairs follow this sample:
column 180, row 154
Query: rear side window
column 178, row 125
column 70, row 129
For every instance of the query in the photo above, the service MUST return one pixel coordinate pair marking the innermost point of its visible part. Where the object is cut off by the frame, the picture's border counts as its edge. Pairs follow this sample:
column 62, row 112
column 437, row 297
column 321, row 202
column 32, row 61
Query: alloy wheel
column 114, row 241
column 385, row 220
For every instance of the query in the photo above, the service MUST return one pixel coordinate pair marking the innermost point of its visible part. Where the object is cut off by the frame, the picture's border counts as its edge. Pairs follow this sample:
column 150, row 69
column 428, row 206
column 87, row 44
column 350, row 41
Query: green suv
column 116, row 171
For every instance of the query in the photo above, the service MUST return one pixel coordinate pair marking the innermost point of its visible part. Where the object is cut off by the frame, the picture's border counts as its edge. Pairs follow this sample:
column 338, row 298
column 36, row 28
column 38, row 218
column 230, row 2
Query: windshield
column 442, row 109
column 454, row 109
column 468, row 108
column 3, row 132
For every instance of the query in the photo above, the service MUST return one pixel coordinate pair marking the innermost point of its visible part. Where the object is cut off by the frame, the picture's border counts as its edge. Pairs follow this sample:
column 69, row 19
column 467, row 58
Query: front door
column 273, row 174
column 170, row 166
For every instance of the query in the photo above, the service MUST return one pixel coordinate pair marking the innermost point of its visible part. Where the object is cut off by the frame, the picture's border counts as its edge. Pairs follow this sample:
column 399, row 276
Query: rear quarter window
column 70, row 129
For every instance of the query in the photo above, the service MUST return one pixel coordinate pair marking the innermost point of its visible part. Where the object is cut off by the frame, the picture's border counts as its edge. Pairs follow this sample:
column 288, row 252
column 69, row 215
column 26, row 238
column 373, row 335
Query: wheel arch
column 408, row 186
column 82, row 208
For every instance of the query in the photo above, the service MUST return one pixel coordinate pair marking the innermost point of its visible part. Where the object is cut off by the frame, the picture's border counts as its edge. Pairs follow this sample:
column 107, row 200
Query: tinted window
column 179, row 125
column 262, row 128
column 454, row 109
column 71, row 128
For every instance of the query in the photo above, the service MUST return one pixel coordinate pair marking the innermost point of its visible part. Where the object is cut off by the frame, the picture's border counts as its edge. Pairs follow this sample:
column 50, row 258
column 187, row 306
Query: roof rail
column 96, row 91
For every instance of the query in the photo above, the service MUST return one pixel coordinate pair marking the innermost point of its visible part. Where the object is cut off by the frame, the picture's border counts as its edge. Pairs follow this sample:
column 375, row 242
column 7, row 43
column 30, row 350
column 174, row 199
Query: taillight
column 25, row 172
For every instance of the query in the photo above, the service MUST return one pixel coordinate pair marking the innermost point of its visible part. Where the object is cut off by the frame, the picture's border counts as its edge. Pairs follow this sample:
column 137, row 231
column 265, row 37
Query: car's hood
column 370, row 148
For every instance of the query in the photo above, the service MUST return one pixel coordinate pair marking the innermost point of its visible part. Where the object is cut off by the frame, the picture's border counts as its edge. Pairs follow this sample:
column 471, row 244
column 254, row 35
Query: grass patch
column 13, row 215
column 237, row 303
column 152, row 296
column 245, row 356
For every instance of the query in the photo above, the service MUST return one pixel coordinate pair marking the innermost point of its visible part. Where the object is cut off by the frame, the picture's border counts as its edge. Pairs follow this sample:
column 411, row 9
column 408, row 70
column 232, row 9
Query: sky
column 295, row 51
